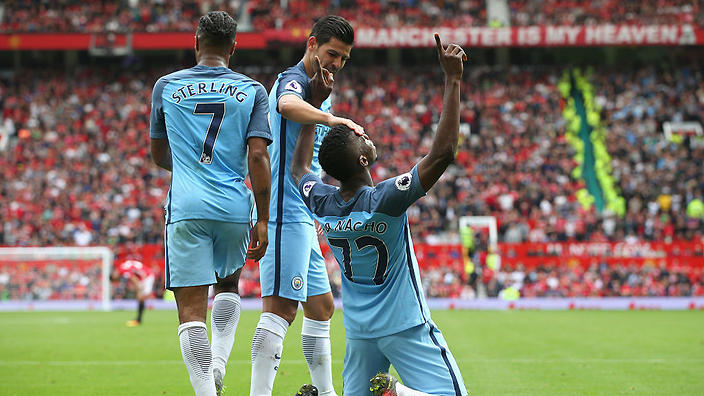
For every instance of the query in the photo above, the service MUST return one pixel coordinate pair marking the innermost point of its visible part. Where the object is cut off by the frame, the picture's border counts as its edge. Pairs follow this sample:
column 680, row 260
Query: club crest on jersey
column 297, row 283
column 307, row 187
column 403, row 182
column 294, row 86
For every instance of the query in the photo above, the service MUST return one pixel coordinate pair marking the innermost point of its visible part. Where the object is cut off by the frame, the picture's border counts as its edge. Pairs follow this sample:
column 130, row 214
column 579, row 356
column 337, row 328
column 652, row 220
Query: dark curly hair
column 217, row 29
column 331, row 26
column 338, row 153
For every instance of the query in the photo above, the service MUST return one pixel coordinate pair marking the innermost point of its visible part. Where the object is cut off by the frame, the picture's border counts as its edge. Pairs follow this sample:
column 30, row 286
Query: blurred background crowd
column 75, row 167
column 258, row 15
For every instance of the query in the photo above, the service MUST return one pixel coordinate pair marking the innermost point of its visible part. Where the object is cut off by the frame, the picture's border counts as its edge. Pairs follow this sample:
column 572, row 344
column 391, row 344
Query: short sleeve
column 292, row 83
column 393, row 196
column 157, row 122
column 259, row 120
column 315, row 193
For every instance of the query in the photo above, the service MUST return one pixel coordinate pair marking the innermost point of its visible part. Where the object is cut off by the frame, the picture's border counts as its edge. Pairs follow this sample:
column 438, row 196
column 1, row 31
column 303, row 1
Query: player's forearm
column 260, row 176
column 444, row 146
column 161, row 153
column 303, row 153
column 299, row 111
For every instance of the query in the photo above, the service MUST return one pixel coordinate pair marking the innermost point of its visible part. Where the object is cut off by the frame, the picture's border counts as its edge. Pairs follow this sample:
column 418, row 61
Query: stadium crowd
column 571, row 12
column 599, row 280
column 49, row 281
column 75, row 166
column 258, row 15
column 76, row 170
column 60, row 281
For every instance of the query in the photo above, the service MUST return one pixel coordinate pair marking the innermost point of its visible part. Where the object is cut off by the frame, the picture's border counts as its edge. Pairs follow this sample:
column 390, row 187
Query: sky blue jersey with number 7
column 208, row 114
column 371, row 240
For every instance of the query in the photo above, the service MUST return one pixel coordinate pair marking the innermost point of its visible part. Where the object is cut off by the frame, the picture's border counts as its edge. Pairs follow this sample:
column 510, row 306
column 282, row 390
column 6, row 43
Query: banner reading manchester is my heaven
column 533, row 36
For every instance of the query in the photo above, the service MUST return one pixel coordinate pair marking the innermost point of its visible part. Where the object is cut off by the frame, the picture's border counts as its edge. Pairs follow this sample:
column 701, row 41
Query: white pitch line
column 301, row 362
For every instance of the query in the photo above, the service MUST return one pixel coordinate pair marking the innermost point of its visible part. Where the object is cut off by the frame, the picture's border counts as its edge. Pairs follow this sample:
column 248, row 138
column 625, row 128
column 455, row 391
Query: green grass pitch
column 499, row 353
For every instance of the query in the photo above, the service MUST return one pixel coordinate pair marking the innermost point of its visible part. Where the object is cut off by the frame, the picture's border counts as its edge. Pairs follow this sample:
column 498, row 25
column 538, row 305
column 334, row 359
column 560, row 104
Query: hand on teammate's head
column 451, row 58
column 356, row 128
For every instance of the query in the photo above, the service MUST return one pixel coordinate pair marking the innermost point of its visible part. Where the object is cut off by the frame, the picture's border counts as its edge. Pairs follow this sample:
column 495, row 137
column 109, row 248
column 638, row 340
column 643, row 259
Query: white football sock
column 402, row 390
column 267, row 344
column 197, row 356
column 315, row 339
column 223, row 321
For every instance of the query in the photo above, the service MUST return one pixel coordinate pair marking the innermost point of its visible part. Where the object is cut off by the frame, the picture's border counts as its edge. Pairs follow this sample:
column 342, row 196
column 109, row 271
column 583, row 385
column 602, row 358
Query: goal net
column 47, row 278
column 478, row 223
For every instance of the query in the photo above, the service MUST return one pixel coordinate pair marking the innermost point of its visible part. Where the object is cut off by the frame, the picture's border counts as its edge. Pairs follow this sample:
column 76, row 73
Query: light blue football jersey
column 371, row 240
column 208, row 113
column 286, row 205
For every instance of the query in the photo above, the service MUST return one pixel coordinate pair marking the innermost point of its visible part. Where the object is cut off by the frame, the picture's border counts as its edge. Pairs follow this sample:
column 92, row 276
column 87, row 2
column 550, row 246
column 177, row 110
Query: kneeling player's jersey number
column 363, row 242
column 218, row 113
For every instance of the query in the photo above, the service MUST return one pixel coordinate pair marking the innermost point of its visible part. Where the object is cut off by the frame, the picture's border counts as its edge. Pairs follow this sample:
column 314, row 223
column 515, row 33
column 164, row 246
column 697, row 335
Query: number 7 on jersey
column 218, row 113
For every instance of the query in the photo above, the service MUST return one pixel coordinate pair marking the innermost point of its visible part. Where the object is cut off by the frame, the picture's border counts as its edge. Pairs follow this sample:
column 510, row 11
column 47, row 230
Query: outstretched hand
column 450, row 58
column 321, row 84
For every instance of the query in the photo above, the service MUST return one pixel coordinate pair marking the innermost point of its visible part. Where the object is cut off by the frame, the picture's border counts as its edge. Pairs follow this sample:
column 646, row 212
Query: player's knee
column 282, row 307
column 225, row 286
column 320, row 308
column 328, row 308
column 286, row 312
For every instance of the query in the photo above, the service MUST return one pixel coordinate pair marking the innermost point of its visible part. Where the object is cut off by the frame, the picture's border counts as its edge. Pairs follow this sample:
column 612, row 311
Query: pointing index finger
column 318, row 66
column 439, row 44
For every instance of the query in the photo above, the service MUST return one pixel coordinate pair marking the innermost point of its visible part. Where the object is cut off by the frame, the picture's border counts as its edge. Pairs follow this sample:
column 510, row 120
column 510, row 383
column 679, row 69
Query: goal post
column 52, row 255
column 483, row 222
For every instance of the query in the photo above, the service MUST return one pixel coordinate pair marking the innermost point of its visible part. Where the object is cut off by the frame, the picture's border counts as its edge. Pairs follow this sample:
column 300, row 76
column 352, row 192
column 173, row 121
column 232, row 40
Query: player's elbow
column 285, row 106
column 258, row 157
column 444, row 157
column 161, row 153
column 298, row 171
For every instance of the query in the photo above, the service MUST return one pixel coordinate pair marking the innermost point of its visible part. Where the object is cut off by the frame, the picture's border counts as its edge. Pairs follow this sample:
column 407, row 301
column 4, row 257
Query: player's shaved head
column 339, row 152
column 332, row 26
column 217, row 30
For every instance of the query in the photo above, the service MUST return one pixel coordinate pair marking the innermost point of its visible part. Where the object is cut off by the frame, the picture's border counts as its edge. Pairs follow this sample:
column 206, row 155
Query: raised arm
column 442, row 152
column 320, row 88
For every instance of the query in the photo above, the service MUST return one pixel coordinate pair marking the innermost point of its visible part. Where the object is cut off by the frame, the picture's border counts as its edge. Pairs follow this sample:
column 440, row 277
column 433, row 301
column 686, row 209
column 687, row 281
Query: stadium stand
column 75, row 166
column 61, row 282
column 514, row 165
column 76, row 169
column 259, row 15
column 568, row 12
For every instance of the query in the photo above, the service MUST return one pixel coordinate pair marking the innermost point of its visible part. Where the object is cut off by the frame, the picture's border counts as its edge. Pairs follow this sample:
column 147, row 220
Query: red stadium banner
column 140, row 41
column 404, row 37
column 533, row 36
column 530, row 255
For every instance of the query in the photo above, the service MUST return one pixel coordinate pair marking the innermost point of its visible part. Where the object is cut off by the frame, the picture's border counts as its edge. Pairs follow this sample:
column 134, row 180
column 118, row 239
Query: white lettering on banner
column 503, row 37
column 638, row 33
column 364, row 37
column 572, row 33
column 530, row 36
column 473, row 36
column 688, row 37
column 669, row 34
column 624, row 36
column 553, row 35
